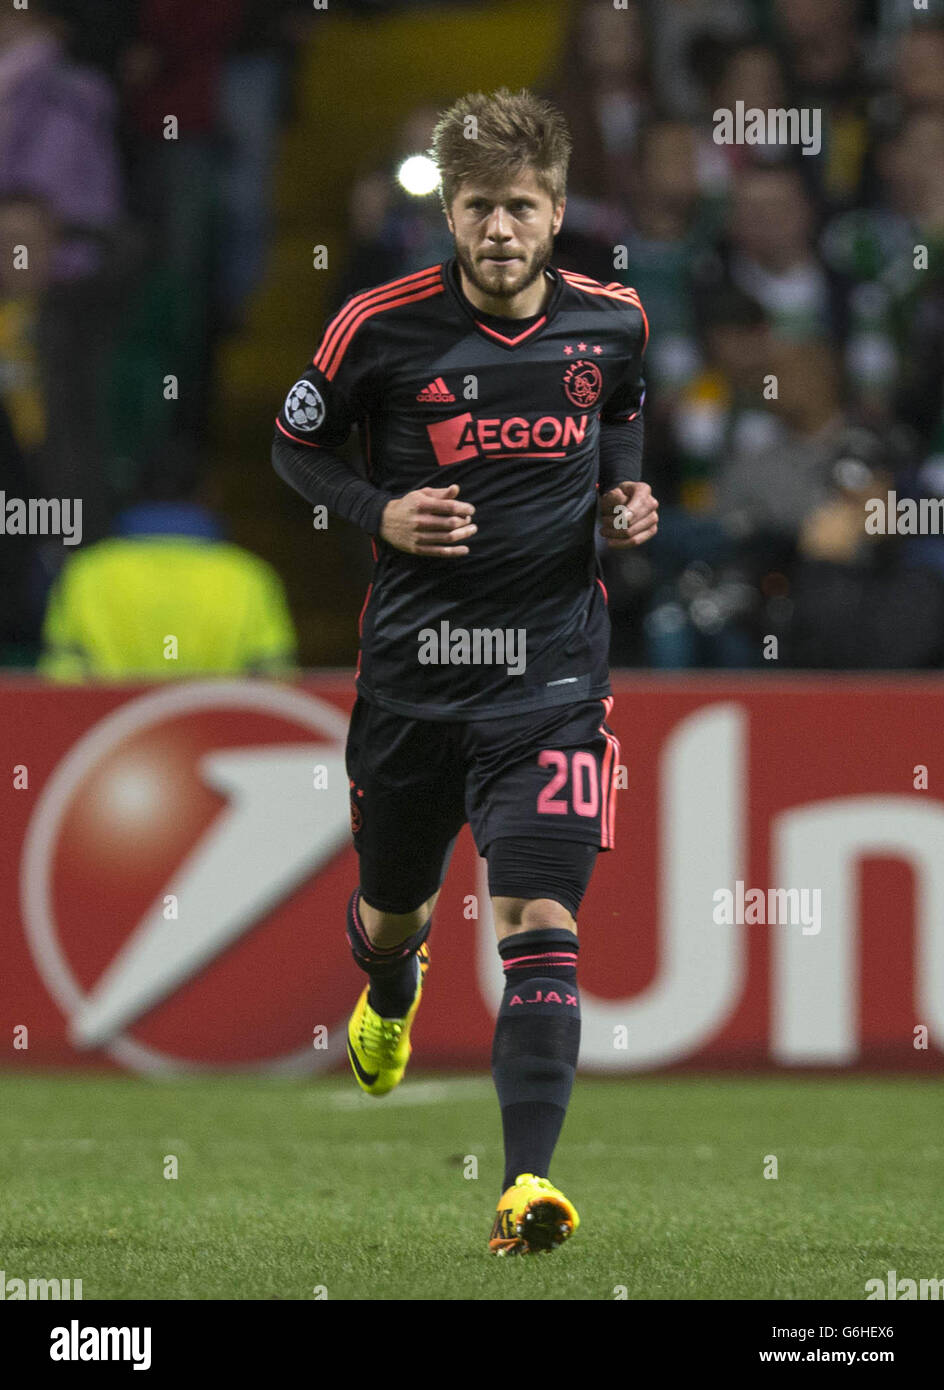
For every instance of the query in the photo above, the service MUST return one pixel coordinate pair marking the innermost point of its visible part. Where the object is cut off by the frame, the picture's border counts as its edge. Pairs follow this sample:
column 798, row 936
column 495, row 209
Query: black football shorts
column 544, row 776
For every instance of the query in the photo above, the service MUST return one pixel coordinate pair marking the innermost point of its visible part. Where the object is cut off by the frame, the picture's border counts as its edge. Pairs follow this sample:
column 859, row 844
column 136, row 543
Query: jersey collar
column 450, row 278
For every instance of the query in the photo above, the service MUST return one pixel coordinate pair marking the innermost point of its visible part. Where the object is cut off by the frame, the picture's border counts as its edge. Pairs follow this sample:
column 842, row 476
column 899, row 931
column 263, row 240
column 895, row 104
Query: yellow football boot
column 379, row 1048
column 533, row 1217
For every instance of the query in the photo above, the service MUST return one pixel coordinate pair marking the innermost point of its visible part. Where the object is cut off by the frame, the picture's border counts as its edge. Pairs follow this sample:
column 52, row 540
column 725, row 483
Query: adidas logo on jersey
column 436, row 391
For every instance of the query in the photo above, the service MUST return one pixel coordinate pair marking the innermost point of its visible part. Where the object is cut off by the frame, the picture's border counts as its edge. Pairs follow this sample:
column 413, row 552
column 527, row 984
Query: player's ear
column 559, row 215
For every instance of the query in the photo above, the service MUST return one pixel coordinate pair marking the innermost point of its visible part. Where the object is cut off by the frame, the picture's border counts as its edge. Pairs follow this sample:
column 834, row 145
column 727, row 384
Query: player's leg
column 536, row 887
column 406, row 810
column 378, row 1034
column 537, row 1032
column 543, row 818
column 388, row 929
column 388, row 947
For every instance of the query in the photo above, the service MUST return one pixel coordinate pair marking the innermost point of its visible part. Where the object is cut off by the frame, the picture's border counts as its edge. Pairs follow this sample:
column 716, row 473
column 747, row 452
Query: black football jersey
column 510, row 413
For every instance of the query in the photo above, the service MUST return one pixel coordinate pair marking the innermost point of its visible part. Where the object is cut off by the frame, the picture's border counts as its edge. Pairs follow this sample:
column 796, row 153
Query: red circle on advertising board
column 227, row 806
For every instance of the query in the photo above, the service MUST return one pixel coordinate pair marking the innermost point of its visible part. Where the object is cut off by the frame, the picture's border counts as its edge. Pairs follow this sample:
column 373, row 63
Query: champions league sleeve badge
column 304, row 406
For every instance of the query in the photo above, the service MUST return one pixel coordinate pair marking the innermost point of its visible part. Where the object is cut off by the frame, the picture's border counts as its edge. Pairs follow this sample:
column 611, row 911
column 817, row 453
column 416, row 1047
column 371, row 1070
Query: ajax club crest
column 583, row 382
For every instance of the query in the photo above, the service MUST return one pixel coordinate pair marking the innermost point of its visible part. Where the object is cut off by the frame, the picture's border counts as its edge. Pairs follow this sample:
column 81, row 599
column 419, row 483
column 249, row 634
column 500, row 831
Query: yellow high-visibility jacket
column 165, row 606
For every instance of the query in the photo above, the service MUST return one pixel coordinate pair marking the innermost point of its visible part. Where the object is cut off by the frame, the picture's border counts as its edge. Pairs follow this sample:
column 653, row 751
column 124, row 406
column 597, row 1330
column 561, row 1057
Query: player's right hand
column 428, row 522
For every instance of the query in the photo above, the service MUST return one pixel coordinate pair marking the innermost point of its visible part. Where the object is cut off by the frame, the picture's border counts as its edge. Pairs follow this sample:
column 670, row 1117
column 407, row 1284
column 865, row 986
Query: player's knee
column 545, row 912
column 537, row 882
column 390, row 928
column 514, row 915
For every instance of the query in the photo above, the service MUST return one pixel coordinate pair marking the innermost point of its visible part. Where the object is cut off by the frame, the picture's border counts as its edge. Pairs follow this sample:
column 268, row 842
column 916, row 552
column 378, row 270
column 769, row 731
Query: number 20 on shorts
column 581, row 771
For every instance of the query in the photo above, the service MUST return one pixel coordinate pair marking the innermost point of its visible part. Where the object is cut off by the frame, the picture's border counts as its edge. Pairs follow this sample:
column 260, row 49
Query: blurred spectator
column 393, row 232
column 722, row 409
column 822, row 44
column 172, row 76
column 895, row 351
column 58, row 149
column 168, row 597
column 919, row 68
column 97, row 31
column 701, row 598
column 828, row 69
column 25, row 223
column 253, row 93
column 769, row 491
column 793, row 513
column 604, row 87
column 862, row 601
column 770, row 253
column 750, row 72
column 670, row 231
column 680, row 29
column 21, row 577
column 925, row 480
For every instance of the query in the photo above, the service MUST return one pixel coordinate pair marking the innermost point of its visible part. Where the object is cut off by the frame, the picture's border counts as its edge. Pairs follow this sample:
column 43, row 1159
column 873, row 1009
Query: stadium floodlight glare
column 418, row 175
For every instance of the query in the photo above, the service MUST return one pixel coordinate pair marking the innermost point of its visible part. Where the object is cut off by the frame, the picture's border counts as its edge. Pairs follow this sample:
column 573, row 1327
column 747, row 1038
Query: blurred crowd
column 796, row 301
column 137, row 146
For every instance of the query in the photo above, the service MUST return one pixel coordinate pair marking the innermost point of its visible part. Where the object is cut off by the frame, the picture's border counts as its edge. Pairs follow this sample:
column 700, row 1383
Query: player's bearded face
column 507, row 277
column 504, row 238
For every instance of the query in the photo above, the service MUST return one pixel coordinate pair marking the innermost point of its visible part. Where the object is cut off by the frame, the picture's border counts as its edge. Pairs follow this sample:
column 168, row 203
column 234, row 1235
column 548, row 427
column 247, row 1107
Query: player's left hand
column 629, row 515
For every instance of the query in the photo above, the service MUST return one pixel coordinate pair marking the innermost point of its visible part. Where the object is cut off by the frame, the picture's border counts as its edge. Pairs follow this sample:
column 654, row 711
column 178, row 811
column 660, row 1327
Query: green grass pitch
column 286, row 1187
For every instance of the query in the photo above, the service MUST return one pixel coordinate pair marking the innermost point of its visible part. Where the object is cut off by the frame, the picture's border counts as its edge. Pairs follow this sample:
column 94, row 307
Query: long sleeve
column 620, row 452
column 324, row 479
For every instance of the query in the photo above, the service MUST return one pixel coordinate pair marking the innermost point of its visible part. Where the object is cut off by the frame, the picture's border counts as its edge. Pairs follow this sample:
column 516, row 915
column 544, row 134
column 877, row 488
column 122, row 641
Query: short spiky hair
column 490, row 138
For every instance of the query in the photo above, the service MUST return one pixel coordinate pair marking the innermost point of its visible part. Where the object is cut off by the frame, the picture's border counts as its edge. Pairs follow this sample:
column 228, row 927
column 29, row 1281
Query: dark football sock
column 393, row 970
column 537, row 1038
